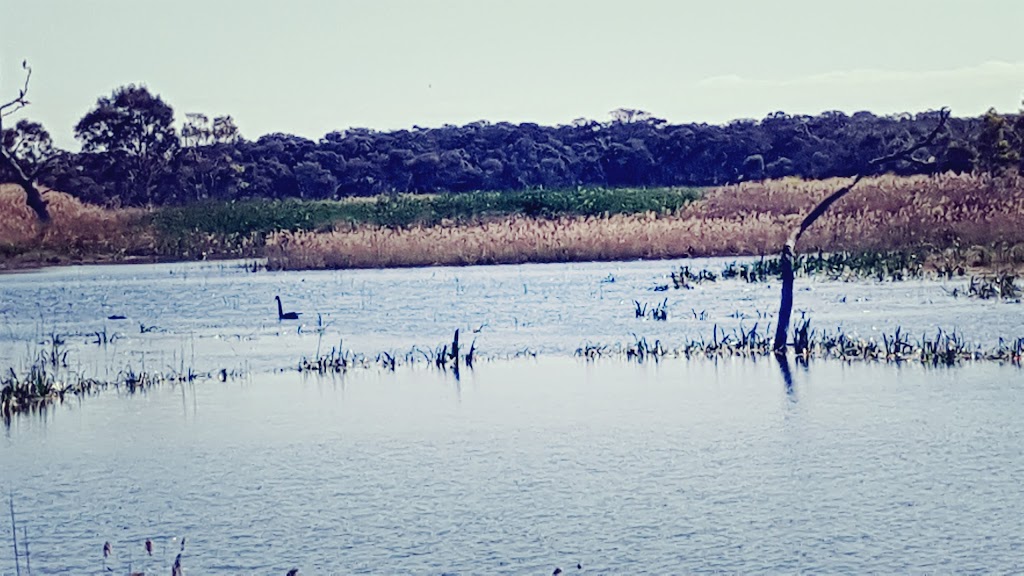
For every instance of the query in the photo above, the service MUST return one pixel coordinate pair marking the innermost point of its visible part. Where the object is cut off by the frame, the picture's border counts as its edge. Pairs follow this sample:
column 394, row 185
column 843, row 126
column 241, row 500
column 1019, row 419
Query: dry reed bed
column 77, row 230
column 882, row 213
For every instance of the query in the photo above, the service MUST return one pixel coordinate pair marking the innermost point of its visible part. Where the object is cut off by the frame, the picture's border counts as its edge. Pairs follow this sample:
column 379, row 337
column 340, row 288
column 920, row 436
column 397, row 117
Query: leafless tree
column 789, row 249
column 34, row 197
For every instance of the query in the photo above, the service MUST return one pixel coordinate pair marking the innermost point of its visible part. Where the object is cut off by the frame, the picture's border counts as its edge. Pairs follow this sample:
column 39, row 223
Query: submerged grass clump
column 337, row 360
column 943, row 348
column 1002, row 285
column 888, row 266
column 658, row 312
column 48, row 380
column 884, row 266
column 443, row 357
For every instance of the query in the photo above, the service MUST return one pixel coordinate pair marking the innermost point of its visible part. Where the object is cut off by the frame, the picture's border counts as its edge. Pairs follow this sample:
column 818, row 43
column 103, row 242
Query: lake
column 523, row 464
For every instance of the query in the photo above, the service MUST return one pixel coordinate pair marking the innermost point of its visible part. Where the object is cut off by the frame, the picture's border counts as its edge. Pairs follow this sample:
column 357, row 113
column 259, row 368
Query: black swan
column 281, row 314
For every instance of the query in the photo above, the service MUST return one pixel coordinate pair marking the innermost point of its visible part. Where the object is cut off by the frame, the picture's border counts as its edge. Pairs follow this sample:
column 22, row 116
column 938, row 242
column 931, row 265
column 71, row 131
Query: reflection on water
column 527, row 465
column 518, row 466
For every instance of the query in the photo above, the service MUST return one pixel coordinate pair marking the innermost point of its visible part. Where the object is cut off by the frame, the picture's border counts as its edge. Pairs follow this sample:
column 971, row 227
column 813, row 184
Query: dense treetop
column 133, row 154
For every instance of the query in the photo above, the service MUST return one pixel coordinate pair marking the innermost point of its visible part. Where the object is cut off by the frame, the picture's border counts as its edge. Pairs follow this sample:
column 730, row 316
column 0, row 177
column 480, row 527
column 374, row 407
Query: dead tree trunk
column 33, row 197
column 789, row 248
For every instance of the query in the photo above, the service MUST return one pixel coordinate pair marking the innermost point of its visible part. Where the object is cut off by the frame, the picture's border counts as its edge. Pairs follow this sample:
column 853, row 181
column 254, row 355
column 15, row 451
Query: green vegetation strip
column 261, row 217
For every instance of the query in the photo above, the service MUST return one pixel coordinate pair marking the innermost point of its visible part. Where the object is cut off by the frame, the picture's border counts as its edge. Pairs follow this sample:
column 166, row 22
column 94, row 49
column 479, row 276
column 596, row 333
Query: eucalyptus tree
column 134, row 131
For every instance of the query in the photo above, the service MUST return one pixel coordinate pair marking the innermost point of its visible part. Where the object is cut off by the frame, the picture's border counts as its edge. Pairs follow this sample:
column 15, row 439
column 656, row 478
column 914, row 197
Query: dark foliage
column 133, row 155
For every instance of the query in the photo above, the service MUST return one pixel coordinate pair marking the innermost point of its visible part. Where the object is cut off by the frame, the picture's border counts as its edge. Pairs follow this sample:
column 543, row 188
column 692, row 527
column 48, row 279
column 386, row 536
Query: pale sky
column 311, row 67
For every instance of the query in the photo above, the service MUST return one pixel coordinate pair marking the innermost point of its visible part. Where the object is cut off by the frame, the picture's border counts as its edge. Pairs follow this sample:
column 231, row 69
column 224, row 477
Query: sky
column 311, row 67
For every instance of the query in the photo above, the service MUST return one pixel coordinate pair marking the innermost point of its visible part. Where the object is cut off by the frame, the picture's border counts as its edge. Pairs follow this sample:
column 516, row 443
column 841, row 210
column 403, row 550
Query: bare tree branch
column 906, row 153
column 19, row 102
column 33, row 197
column 789, row 249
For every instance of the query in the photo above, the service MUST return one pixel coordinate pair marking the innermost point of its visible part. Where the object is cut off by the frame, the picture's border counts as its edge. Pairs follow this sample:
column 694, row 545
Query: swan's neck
column 280, row 310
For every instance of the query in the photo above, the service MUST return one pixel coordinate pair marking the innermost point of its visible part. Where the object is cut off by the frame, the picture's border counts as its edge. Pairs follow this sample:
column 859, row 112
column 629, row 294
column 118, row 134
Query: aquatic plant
column 887, row 265
column 640, row 350
column 658, row 312
column 591, row 351
column 48, row 380
column 944, row 348
column 339, row 360
column 448, row 356
column 686, row 279
column 39, row 384
column 1002, row 285
column 802, row 336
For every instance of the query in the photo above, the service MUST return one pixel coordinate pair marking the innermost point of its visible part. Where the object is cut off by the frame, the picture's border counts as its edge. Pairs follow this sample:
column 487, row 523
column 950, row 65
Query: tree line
column 134, row 153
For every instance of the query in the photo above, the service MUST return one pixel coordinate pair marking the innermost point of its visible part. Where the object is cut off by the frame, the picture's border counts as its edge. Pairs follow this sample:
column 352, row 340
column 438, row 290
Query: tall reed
column 77, row 231
column 976, row 218
column 932, row 214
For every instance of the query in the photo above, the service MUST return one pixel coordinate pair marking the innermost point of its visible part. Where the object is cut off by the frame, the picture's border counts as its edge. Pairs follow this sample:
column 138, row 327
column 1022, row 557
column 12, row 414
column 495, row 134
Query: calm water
column 523, row 465
column 213, row 316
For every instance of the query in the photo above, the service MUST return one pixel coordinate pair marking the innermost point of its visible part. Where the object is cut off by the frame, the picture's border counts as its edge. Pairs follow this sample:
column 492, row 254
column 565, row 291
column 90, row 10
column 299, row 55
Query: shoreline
column 21, row 267
column 261, row 262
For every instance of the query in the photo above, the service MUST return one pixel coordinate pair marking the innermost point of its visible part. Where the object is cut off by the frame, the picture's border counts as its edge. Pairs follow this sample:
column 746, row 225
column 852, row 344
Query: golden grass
column 882, row 213
column 982, row 216
column 77, row 231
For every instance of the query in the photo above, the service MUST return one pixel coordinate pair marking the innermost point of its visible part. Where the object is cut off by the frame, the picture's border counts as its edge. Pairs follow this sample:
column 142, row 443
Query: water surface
column 212, row 316
column 522, row 465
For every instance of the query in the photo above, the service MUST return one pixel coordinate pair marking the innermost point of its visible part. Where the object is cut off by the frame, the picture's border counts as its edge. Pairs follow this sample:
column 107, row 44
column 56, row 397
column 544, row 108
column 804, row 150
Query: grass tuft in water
column 48, row 381
column 446, row 356
column 944, row 348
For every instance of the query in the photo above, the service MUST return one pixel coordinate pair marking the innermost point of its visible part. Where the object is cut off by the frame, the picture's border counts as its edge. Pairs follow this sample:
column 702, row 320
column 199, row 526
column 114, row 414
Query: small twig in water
column 14, row 534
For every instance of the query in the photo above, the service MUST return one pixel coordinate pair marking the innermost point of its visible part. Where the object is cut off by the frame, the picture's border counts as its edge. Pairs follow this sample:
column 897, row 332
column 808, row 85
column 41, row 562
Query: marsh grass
column 657, row 311
column 959, row 222
column 891, row 265
column 78, row 231
column 338, row 360
column 970, row 220
column 404, row 210
column 943, row 348
column 48, row 380
column 239, row 229
column 1002, row 285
